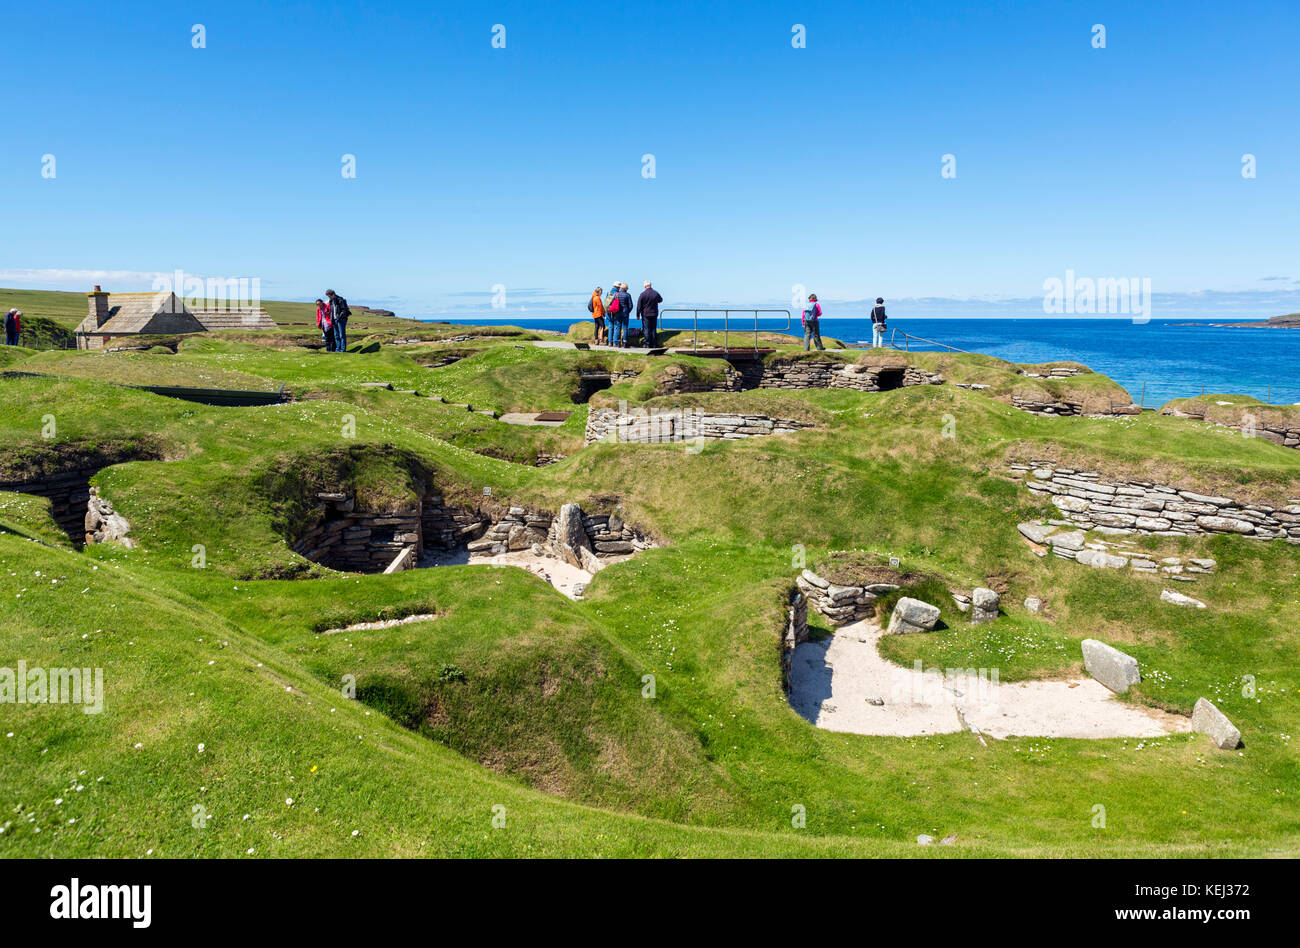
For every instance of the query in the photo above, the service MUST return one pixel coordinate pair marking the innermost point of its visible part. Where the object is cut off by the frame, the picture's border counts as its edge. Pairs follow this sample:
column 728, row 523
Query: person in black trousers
column 647, row 310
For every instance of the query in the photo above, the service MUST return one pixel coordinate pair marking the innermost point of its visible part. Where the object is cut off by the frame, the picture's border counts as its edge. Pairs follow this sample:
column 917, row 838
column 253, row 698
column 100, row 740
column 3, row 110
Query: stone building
column 132, row 314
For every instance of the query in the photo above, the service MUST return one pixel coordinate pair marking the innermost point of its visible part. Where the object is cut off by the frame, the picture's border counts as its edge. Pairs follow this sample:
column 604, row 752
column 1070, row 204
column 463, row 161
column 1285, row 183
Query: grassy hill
column 222, row 692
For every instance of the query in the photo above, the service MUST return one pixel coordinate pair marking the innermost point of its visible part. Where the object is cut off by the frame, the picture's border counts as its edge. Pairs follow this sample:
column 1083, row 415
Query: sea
column 1156, row 361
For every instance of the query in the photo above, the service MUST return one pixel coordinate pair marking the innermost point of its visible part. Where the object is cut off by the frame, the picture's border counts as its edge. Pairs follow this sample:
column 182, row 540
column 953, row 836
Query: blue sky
column 775, row 166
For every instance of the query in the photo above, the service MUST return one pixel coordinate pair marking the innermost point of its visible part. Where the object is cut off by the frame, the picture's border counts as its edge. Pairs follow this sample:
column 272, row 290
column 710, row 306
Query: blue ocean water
column 1156, row 361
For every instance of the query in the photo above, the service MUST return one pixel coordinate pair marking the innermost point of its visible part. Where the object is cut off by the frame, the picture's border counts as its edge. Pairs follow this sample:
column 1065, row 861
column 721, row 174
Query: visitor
column 812, row 315
column 325, row 324
column 647, row 310
column 624, row 315
column 13, row 326
column 597, row 309
column 613, row 305
column 339, row 314
column 878, row 324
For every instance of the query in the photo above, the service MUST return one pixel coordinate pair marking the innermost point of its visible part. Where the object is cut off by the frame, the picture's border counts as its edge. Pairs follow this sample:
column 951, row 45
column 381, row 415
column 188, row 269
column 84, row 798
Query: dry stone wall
column 840, row 605
column 1288, row 436
column 813, row 373
column 1040, row 403
column 661, row 427
column 1114, row 506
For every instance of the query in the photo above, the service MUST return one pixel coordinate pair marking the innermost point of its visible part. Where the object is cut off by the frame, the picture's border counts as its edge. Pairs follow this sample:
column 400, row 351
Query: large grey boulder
column 1114, row 669
column 1071, row 540
column 912, row 615
column 570, row 538
column 984, row 605
column 1207, row 719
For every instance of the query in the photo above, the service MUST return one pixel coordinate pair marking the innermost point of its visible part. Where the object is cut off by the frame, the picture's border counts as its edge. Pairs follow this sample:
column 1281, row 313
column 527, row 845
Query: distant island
column 1290, row 321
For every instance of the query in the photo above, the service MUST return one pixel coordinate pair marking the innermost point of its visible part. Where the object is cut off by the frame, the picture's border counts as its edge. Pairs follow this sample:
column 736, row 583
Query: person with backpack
column 878, row 324
column 620, row 314
column 13, row 327
column 647, row 310
column 812, row 315
column 325, row 324
column 339, row 314
column 597, row 309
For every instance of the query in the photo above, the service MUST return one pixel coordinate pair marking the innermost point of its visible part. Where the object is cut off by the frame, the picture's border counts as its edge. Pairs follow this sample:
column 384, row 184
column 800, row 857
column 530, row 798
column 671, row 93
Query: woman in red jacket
column 325, row 324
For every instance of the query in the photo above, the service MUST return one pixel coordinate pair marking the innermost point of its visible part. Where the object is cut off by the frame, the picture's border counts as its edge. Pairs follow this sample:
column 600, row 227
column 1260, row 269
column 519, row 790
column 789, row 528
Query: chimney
column 98, row 306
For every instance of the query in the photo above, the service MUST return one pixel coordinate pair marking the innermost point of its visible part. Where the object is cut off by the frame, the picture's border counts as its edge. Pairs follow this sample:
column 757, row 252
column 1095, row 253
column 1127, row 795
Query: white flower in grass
column 288, row 801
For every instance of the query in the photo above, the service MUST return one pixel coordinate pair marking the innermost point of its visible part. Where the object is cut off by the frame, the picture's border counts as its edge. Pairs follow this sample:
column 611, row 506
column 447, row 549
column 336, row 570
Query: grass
column 514, row 696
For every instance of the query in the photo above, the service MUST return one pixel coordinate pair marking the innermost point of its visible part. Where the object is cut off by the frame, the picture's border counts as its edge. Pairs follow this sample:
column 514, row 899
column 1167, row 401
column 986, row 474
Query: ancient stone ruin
column 684, row 424
column 348, row 539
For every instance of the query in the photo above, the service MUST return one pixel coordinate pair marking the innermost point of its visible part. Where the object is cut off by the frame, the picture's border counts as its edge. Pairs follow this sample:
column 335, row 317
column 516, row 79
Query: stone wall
column 369, row 542
column 1276, row 431
column 814, row 373
column 359, row 541
column 685, row 424
column 1116, row 506
column 840, row 605
column 796, row 631
column 1041, row 403
column 69, row 493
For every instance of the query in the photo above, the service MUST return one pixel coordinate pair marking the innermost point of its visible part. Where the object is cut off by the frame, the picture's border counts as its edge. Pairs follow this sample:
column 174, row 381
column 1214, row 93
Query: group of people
column 812, row 315
column 332, row 320
column 13, row 326
column 618, row 308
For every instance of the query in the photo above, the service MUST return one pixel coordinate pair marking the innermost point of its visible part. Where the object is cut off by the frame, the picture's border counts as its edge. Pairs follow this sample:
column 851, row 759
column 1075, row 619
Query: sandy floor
column 555, row 571
column 842, row 684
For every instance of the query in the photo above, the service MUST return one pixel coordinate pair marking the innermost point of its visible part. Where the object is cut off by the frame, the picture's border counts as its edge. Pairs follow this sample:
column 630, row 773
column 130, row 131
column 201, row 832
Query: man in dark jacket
column 624, row 313
column 878, row 324
column 13, row 326
column 647, row 310
column 339, row 313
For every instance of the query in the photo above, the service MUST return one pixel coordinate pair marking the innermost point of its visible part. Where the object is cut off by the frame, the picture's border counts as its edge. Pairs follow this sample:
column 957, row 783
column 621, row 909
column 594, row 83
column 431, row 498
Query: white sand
column 832, row 682
column 555, row 571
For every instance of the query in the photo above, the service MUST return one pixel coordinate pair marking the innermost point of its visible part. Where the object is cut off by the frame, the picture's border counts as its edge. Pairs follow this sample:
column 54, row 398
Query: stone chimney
column 98, row 306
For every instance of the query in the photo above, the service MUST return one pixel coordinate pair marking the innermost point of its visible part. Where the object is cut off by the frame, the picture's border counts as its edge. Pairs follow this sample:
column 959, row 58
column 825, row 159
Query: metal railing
column 907, row 342
column 726, row 322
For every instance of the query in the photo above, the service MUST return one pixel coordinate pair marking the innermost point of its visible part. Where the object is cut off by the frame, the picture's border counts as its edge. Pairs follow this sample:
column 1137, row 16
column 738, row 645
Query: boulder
column 984, row 605
column 1178, row 599
column 570, row 537
column 590, row 561
column 1114, row 669
column 912, row 615
column 1207, row 719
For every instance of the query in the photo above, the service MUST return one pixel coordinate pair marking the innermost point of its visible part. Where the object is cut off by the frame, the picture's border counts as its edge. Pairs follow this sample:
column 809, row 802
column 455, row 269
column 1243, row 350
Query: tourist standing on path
column 878, row 324
column 597, row 309
column 339, row 314
column 812, row 315
column 613, row 305
column 624, row 315
column 13, row 327
column 647, row 310
column 325, row 324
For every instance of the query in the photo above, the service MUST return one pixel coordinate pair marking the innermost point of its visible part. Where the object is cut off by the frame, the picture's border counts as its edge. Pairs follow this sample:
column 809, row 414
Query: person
column 624, row 315
column 597, row 309
column 812, row 315
column 647, row 310
column 878, row 324
column 325, row 324
column 339, row 314
column 13, row 327
column 611, row 315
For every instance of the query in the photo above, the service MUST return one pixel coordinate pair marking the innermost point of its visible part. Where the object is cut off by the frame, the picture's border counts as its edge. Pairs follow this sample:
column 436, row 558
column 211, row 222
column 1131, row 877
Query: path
column 836, row 682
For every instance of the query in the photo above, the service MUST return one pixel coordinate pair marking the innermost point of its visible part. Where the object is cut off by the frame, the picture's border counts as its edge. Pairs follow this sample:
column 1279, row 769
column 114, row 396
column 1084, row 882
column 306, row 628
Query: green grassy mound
column 515, row 697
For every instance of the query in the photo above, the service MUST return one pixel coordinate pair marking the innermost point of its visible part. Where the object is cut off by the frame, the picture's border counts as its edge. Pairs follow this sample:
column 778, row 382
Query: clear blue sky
column 775, row 166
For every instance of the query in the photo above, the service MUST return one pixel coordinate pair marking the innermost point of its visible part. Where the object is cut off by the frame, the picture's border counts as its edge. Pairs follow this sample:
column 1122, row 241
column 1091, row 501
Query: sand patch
column 568, row 580
column 843, row 684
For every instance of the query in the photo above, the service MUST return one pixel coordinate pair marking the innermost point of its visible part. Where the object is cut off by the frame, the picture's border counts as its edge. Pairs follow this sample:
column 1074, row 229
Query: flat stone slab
column 1178, row 599
column 1113, row 668
column 1037, row 532
column 1207, row 719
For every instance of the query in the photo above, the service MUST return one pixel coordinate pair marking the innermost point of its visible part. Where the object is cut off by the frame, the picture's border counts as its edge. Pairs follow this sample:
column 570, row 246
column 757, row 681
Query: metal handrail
column 907, row 337
column 726, row 323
